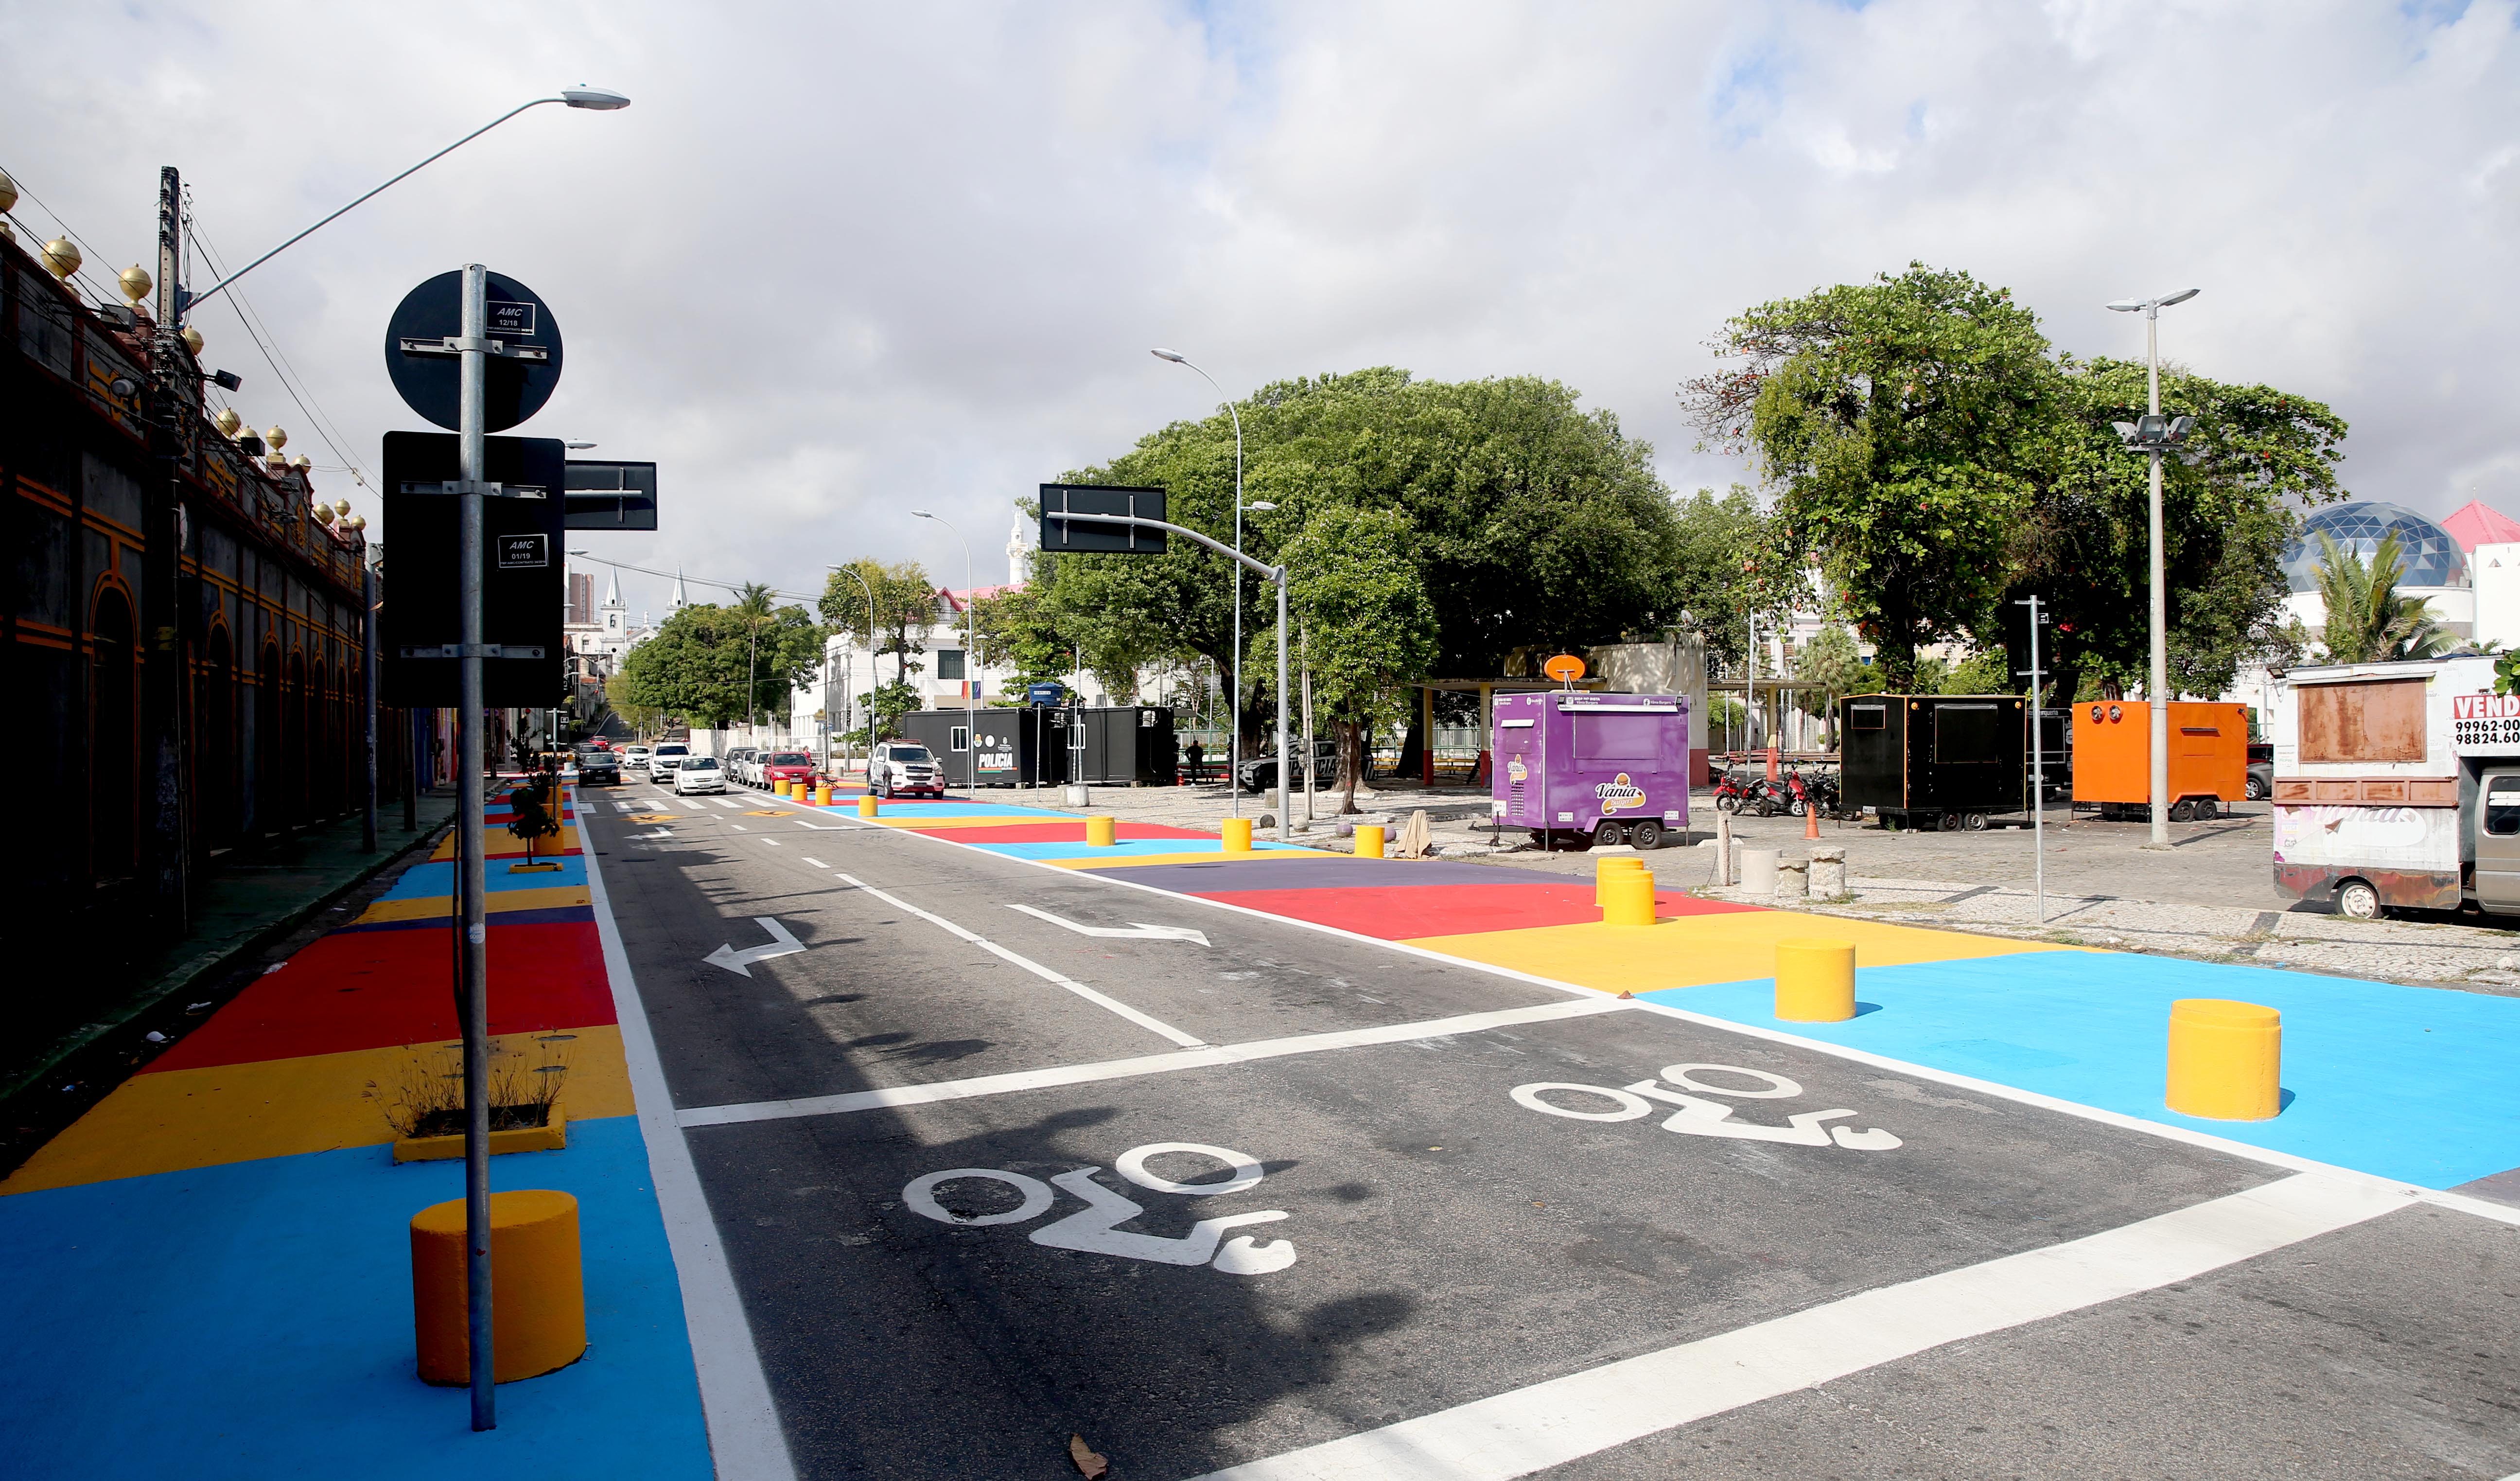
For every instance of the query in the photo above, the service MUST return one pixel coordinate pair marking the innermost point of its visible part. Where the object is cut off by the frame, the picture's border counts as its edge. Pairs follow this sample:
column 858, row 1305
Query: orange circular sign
column 1565, row 668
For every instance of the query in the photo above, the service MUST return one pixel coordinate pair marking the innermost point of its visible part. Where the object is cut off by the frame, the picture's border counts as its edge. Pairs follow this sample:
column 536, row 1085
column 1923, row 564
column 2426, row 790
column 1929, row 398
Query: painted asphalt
column 1462, row 1244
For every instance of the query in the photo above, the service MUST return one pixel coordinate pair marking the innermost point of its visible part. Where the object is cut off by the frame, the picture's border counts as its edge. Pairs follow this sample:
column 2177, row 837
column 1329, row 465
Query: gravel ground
column 2208, row 896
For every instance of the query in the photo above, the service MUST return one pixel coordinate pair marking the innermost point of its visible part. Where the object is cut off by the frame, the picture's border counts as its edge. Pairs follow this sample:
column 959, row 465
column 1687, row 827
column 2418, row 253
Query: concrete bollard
column 1759, row 872
column 1723, row 851
column 538, row 1290
column 1238, row 835
column 1102, row 833
column 1814, row 980
column 2225, row 1059
column 1829, row 873
column 867, row 807
column 1078, row 796
column 1368, row 840
column 1627, row 897
column 1606, row 868
column 1793, row 877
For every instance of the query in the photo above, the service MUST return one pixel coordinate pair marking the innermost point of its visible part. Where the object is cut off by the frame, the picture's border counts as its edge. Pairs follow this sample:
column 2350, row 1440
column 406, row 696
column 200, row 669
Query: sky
column 840, row 262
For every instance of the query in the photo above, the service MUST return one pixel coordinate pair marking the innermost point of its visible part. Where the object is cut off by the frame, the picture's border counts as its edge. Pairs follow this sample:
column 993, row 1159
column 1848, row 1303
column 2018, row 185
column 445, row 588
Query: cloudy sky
column 838, row 262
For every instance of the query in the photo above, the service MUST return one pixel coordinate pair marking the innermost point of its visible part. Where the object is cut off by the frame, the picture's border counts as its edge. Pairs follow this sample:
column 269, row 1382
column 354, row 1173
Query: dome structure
column 2433, row 558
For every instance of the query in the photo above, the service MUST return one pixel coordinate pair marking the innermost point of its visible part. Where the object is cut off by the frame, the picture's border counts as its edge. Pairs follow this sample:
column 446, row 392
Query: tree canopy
column 904, row 604
column 1366, row 625
column 696, row 666
column 2367, row 621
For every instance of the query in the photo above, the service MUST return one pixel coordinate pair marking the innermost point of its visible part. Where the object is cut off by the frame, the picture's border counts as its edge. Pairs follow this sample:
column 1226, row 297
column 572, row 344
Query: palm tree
column 754, row 602
column 2367, row 621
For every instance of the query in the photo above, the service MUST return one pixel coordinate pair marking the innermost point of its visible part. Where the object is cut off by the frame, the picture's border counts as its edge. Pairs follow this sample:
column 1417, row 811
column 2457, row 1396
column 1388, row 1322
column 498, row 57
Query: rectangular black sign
column 508, row 321
column 523, row 589
column 1065, row 534
column 611, row 495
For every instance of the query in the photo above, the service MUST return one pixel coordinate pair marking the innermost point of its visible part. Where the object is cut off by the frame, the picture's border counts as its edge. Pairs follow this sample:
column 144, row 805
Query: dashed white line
column 773, row 843
column 739, row 828
column 1147, row 1021
column 816, row 863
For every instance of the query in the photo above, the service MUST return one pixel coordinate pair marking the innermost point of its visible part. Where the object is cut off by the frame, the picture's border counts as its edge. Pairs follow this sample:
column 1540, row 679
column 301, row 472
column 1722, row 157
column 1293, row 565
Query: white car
column 699, row 773
column 899, row 767
column 634, row 758
column 666, row 758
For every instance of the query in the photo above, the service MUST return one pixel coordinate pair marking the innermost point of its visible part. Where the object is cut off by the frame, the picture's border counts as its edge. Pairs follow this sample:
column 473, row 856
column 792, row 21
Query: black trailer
column 1129, row 745
column 1949, row 761
column 1019, row 748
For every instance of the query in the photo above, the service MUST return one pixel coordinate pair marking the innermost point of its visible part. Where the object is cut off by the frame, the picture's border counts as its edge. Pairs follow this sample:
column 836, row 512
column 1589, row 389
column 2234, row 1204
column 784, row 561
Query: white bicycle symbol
column 1096, row 1227
column 1699, row 1117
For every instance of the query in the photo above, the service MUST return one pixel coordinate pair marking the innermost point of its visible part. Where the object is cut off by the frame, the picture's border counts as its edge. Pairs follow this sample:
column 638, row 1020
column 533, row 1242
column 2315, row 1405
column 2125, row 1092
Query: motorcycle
column 1729, row 793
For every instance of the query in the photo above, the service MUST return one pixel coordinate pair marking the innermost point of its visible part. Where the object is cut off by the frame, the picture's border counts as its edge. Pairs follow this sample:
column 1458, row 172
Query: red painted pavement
column 1397, row 913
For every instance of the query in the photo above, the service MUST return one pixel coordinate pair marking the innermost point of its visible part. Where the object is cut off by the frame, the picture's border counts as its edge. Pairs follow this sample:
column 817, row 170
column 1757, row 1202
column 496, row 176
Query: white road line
column 816, row 863
column 624, row 805
column 688, row 802
column 1144, row 1065
column 739, row 828
column 731, row 804
column 1550, row 1423
column 773, row 843
column 745, row 1440
column 2480, row 1209
column 1150, row 1023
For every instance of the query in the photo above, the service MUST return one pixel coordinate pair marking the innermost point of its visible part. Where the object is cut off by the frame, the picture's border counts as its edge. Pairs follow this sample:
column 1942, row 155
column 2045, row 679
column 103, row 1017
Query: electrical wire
column 257, row 330
column 731, row 586
column 66, row 230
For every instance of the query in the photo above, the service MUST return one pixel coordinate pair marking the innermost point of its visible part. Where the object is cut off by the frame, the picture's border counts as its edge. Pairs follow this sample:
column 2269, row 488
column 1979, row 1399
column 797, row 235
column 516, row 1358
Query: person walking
column 1197, row 755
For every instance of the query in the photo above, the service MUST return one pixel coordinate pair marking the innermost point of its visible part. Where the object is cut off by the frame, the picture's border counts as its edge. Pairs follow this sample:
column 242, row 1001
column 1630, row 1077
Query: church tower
column 1019, row 556
column 617, row 613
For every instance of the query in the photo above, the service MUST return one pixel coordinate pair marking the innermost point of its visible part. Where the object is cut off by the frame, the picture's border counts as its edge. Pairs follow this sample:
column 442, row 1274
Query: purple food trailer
column 1580, row 769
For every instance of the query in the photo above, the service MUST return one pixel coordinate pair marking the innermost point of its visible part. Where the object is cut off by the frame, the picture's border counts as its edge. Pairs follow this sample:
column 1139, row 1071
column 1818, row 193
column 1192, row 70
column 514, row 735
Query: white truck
column 2398, row 786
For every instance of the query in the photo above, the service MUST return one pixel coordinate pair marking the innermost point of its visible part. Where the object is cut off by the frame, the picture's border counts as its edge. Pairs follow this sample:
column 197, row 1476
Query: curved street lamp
column 1234, row 710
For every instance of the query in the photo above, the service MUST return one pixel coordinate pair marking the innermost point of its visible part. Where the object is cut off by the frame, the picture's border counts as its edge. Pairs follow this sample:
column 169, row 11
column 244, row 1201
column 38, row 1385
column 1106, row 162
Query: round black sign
column 429, row 375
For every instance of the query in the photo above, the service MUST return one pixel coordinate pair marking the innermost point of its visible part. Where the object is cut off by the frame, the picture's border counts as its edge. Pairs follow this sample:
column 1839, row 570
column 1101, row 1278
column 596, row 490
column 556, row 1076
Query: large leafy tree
column 2367, row 621
column 1720, row 573
column 713, row 665
column 904, row 606
column 1368, row 623
column 1901, row 421
column 1531, row 523
column 1018, row 628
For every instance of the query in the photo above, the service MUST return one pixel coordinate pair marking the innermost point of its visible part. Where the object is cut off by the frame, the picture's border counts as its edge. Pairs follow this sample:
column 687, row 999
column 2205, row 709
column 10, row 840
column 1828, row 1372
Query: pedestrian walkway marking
column 623, row 805
column 1146, row 1021
column 729, row 803
column 688, row 802
column 1144, row 1065
column 1550, row 1423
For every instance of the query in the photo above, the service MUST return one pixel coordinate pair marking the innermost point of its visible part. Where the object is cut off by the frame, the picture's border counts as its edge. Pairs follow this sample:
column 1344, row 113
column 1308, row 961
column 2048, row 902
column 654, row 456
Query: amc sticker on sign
column 2484, row 723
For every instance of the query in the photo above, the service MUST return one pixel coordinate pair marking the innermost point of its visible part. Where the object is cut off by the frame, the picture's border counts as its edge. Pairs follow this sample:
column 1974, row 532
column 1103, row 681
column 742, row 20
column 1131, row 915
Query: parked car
column 599, row 764
column 774, row 767
column 634, row 758
column 903, row 767
column 667, row 758
column 1259, row 774
column 699, row 773
column 2262, row 770
column 738, row 763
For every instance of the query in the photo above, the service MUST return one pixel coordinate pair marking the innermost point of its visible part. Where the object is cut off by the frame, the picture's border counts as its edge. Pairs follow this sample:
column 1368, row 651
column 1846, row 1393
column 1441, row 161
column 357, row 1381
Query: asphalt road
column 1398, row 1267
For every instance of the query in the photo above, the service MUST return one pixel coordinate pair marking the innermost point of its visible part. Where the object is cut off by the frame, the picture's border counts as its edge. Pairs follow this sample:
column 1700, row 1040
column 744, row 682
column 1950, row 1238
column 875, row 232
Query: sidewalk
column 210, row 1271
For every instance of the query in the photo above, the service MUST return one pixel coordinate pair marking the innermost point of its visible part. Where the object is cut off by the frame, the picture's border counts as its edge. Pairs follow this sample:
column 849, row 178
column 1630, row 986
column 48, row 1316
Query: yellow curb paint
column 1693, row 951
column 176, row 1119
column 499, row 843
column 537, row 1287
column 1814, row 980
column 436, row 907
column 2225, row 1059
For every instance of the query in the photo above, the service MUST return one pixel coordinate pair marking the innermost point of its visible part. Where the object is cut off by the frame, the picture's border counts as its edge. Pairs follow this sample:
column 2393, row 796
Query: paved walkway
column 210, row 1273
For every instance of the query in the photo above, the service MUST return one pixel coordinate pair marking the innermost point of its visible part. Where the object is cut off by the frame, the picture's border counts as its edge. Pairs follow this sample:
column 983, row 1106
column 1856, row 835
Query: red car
column 786, row 766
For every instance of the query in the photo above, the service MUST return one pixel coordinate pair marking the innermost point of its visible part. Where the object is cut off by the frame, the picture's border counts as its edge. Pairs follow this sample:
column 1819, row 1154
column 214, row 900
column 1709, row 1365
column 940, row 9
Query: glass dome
column 2431, row 556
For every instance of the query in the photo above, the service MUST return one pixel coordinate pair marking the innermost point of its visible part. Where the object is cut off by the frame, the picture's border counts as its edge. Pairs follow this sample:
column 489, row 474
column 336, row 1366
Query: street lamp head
column 1165, row 354
column 2127, row 305
column 602, row 99
column 921, row 513
column 578, row 447
column 1259, row 508
column 2181, row 296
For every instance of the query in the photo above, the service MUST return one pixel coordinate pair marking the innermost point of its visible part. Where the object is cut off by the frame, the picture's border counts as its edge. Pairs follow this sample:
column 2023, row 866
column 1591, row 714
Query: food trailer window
column 1606, row 739
column 1968, row 734
column 2503, row 805
column 1868, row 716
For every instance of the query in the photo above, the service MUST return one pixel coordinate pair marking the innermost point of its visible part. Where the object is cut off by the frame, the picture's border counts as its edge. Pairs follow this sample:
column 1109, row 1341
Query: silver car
column 900, row 768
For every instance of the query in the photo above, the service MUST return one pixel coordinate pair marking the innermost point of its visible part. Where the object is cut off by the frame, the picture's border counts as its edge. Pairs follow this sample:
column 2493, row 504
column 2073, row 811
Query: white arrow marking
column 741, row 963
column 1135, row 931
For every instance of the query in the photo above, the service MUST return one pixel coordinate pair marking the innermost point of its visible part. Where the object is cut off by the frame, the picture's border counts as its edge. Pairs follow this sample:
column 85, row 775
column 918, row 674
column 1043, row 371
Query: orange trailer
column 2209, row 756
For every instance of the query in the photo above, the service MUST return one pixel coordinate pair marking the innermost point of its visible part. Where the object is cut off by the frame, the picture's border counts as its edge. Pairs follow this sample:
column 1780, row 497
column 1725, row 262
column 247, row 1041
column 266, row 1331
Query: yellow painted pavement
column 436, row 907
column 1693, row 951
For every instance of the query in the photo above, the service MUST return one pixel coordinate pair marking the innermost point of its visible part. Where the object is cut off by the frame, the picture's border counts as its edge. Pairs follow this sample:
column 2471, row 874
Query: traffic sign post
column 522, row 591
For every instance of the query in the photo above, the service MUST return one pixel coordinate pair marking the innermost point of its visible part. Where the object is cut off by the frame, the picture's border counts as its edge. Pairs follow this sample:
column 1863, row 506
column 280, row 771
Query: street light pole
column 970, row 660
column 2157, row 683
column 874, row 678
column 1234, row 711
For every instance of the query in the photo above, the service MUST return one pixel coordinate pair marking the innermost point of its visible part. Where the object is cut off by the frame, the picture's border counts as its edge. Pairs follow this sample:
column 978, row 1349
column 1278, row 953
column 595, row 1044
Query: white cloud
column 835, row 265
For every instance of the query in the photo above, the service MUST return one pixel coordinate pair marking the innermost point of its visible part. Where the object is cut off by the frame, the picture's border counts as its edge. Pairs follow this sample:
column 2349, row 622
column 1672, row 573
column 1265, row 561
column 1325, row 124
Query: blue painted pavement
column 428, row 881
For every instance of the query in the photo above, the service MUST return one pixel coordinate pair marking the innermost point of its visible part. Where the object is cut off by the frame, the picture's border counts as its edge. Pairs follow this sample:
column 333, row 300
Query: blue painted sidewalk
column 253, row 1320
column 2410, row 1083
column 425, row 882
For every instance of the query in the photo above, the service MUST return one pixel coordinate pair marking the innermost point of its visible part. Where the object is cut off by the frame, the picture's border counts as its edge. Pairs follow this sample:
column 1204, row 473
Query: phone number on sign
column 2476, row 733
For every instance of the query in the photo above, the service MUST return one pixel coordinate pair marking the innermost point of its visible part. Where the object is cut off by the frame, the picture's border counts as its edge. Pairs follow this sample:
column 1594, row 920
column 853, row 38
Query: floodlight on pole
column 2153, row 436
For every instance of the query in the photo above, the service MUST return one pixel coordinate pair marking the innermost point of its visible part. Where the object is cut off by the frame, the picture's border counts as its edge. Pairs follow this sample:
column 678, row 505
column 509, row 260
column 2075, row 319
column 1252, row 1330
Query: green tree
column 1019, row 629
column 1367, row 620
column 2367, row 621
column 1718, row 550
column 1901, row 421
column 1984, row 672
column 698, row 664
column 885, row 709
column 905, row 605
column 1832, row 661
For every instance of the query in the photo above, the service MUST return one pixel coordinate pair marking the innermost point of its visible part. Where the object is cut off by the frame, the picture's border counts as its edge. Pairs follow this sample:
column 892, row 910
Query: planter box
column 551, row 1137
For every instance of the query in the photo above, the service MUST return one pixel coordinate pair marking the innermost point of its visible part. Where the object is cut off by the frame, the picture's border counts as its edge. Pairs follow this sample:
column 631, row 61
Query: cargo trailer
column 1580, row 769
column 1947, row 761
column 2209, row 757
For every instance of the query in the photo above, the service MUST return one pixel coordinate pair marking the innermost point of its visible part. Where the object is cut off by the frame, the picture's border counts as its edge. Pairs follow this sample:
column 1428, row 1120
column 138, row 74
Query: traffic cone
column 1811, row 820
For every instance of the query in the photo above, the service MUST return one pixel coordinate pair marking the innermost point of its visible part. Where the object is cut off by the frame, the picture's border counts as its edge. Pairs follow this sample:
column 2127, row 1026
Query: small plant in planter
column 425, row 1108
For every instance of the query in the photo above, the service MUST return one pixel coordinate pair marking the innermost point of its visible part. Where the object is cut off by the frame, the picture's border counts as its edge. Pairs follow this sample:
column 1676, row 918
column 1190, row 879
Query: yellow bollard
column 2225, row 1059
column 1814, row 980
column 1368, row 840
column 537, row 1292
column 865, row 807
column 1102, row 833
column 1604, row 868
column 1627, row 898
column 822, row 795
column 1238, row 835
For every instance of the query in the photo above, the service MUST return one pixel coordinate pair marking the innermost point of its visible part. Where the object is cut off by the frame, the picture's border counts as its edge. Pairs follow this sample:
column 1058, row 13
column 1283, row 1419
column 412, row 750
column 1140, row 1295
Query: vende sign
column 2485, row 706
column 2485, row 724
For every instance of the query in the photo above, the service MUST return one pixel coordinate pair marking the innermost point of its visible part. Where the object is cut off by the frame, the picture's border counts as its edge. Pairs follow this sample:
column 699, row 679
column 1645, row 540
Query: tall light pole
column 970, row 658
column 2152, row 437
column 875, row 679
column 1234, row 711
